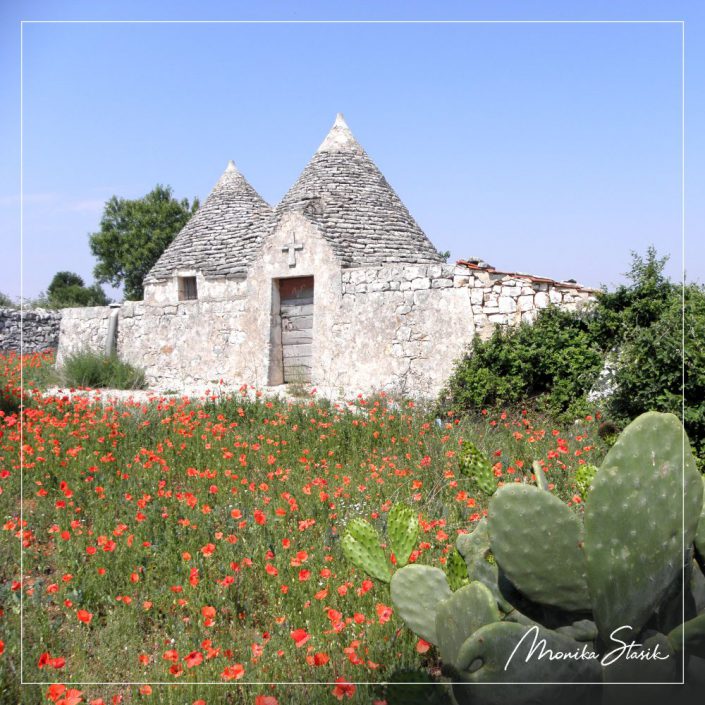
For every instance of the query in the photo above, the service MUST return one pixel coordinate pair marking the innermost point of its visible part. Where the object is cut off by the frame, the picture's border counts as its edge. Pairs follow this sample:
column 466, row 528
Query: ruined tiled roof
column 223, row 235
column 478, row 266
column 344, row 193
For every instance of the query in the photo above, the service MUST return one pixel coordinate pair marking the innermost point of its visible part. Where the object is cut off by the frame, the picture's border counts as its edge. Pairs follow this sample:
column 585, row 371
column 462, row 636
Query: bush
column 552, row 362
column 649, row 373
column 90, row 369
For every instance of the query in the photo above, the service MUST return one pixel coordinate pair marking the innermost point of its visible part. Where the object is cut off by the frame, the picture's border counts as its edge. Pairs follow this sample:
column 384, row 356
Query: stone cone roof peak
column 223, row 235
column 343, row 193
column 340, row 138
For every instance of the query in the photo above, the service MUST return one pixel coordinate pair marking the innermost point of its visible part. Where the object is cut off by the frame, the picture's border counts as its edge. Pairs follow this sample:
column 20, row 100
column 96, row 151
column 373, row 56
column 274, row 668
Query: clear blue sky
column 546, row 148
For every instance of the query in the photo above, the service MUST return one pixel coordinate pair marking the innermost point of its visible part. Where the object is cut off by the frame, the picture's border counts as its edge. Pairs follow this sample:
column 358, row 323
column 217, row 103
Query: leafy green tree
column 634, row 305
column 652, row 361
column 133, row 235
column 6, row 301
column 68, row 289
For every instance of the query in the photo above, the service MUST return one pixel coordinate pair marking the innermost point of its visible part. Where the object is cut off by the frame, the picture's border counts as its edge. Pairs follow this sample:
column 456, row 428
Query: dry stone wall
column 40, row 328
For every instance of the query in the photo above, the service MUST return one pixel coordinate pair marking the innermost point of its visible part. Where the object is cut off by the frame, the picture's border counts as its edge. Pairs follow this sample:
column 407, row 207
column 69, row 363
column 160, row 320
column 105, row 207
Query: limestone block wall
column 185, row 343
column 83, row 329
column 40, row 327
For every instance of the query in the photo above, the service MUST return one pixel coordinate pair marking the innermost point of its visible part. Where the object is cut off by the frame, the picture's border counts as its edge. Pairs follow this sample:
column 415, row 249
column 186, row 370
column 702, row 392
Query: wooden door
column 296, row 310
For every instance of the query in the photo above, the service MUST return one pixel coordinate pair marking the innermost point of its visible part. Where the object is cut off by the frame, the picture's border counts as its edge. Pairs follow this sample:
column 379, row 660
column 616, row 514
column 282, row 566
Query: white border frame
column 362, row 22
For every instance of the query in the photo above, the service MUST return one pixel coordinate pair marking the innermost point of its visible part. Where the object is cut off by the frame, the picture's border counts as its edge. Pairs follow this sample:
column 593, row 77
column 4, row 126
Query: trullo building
column 337, row 286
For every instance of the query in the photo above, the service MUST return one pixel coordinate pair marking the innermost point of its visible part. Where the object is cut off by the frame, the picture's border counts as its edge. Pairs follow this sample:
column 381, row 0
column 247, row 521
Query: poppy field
column 182, row 550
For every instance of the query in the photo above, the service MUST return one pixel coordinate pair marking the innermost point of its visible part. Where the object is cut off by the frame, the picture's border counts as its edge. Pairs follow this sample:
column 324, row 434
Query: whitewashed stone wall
column 397, row 328
column 40, row 326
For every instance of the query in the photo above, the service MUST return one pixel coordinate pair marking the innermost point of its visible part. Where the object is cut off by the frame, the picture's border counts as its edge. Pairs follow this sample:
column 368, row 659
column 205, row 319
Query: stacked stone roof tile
column 341, row 191
column 223, row 235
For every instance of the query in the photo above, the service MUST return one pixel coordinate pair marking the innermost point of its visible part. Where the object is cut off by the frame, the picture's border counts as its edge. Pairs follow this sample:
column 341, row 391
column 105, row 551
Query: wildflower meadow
column 180, row 550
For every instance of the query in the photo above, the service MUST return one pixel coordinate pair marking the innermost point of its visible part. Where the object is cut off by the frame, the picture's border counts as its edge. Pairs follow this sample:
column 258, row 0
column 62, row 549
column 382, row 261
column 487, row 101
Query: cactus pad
column 461, row 615
column 360, row 544
column 416, row 592
column 456, row 571
column 537, row 541
column 540, row 475
column 700, row 535
column 634, row 521
column 403, row 530
column 475, row 549
column 486, row 657
column 689, row 637
column 473, row 463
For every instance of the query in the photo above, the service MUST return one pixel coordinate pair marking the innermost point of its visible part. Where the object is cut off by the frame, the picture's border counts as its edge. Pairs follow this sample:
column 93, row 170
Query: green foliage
column 555, row 358
column 68, row 289
column 133, row 235
column 6, row 301
column 473, row 463
column 584, row 476
column 649, row 375
column 89, row 369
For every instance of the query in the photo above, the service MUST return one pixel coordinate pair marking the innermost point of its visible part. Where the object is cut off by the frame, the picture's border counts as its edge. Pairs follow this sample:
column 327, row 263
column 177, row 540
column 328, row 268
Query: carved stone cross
column 291, row 248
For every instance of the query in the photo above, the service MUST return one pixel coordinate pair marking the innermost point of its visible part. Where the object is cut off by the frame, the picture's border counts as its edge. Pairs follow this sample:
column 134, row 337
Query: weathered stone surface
column 36, row 329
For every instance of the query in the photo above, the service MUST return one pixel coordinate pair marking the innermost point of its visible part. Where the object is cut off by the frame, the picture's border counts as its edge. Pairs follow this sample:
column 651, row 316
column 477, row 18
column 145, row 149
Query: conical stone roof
column 223, row 235
column 344, row 193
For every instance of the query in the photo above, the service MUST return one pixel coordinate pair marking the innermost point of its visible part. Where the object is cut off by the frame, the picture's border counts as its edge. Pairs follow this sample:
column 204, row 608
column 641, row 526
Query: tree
column 6, row 301
column 133, row 235
column 68, row 289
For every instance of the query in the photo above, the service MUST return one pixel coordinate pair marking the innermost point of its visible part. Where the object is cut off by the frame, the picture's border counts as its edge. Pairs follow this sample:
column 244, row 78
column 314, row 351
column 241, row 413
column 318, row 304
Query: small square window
column 187, row 289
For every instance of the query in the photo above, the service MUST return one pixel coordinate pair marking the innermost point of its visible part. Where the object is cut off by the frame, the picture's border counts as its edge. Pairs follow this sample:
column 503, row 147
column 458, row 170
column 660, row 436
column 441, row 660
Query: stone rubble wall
column 40, row 328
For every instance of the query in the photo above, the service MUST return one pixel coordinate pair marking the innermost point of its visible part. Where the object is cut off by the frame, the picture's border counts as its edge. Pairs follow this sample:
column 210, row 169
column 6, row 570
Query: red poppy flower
column 233, row 672
column 384, row 613
column 195, row 658
column 84, row 616
column 343, row 689
column 300, row 637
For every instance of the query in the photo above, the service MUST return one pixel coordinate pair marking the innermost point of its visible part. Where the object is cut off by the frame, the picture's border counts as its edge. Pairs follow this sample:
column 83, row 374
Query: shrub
column 649, row 374
column 90, row 369
column 553, row 361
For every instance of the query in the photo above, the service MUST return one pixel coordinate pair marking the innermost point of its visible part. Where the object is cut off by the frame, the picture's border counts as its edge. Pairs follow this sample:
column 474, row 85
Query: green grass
column 90, row 369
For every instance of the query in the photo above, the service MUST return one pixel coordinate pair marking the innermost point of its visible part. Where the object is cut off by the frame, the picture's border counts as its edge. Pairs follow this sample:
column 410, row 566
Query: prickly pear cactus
column 360, row 544
column 475, row 465
column 417, row 590
column 456, row 571
column 635, row 528
column 540, row 475
column 501, row 653
column 403, row 531
column 689, row 637
column 700, row 536
column 480, row 562
column 461, row 615
column 537, row 541
column 584, row 476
